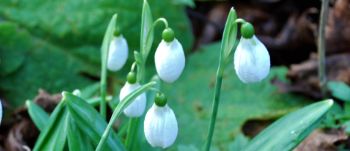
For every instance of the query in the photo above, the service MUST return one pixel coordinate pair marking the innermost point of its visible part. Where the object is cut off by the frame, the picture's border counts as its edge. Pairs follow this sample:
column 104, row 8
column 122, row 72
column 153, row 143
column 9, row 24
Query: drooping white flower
column 117, row 54
column 169, row 60
column 251, row 60
column 160, row 126
column 137, row 107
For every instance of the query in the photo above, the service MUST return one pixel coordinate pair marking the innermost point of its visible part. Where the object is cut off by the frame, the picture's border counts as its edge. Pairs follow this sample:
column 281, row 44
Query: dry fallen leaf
column 322, row 140
column 304, row 76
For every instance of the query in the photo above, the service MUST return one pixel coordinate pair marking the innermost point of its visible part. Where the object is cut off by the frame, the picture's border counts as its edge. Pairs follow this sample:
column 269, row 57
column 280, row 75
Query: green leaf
column 104, row 56
column 37, row 114
column 44, row 66
column 90, row 121
column 287, row 132
column 76, row 139
column 346, row 125
column 190, row 98
column 189, row 3
column 57, row 46
column 230, row 33
column 339, row 90
column 147, row 36
column 53, row 136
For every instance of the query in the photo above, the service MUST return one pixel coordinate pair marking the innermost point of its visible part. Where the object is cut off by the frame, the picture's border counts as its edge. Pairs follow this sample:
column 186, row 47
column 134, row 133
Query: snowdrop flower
column 251, row 59
column 160, row 125
column 169, row 57
column 137, row 107
column 118, row 52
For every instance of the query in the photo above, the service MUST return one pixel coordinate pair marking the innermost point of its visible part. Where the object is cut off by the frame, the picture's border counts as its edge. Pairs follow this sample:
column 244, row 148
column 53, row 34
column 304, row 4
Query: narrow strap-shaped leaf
column 287, row 132
column 230, row 34
column 147, row 36
column 104, row 55
column 37, row 114
column 76, row 140
column 53, row 136
column 90, row 122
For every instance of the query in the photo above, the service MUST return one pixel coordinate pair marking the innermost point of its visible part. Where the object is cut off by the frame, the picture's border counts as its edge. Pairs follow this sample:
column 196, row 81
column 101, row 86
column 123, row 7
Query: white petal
column 0, row 111
column 118, row 53
column 251, row 60
column 169, row 60
column 160, row 126
column 137, row 107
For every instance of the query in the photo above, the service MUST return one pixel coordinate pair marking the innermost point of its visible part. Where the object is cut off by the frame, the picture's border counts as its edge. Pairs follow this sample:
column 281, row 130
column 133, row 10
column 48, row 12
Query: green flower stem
column 103, row 106
column 119, row 109
column 215, row 106
column 132, row 132
column 227, row 45
column 322, row 46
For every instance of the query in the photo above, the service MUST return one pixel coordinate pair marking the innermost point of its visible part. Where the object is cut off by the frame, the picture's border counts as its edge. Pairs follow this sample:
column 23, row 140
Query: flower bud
column 160, row 126
column 137, row 107
column 169, row 60
column 251, row 60
column 77, row 92
column 117, row 54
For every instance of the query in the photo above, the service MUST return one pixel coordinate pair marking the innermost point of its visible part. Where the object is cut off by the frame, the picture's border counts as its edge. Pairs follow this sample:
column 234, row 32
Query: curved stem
column 161, row 20
column 322, row 46
column 133, row 66
column 155, row 23
column 240, row 20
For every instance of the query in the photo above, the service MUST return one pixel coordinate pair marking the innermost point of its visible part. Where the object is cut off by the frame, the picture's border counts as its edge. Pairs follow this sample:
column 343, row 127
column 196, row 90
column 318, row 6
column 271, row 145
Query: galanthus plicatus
column 137, row 107
column 169, row 57
column 118, row 52
column 251, row 59
column 160, row 125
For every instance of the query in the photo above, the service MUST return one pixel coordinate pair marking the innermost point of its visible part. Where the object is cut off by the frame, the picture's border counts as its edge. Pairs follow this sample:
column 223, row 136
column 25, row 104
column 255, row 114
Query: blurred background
column 47, row 47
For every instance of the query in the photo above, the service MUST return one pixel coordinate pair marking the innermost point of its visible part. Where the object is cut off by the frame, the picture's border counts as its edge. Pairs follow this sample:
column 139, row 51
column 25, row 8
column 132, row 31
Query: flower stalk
column 228, row 40
column 321, row 44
